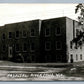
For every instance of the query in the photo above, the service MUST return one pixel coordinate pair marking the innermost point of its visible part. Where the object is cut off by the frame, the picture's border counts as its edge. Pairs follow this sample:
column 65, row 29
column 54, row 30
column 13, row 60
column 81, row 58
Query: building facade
column 20, row 41
column 46, row 41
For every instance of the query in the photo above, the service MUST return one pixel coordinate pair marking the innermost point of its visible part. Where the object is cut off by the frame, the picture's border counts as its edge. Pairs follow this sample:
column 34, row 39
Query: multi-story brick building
column 50, row 40
column 20, row 41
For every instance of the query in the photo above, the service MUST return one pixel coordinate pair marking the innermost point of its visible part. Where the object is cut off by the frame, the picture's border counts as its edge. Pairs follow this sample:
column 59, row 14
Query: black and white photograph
column 42, row 42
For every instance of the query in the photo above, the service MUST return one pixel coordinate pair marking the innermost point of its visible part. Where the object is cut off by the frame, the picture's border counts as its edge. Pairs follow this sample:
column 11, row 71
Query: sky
column 12, row 13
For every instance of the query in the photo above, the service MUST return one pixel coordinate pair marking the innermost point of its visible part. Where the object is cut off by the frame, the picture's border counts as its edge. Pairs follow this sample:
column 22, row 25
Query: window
column 10, row 52
column 32, row 33
column 24, row 47
column 10, row 35
column 48, row 58
column 76, row 57
column 71, row 59
column 58, row 31
column 59, row 58
column 3, row 47
column 58, row 45
column 71, row 44
column 77, row 32
column 47, row 45
column 80, row 56
column 17, row 34
column 32, row 46
column 33, row 58
column 24, row 33
column 17, row 47
column 71, row 56
column 76, row 46
column 3, row 36
column 47, row 32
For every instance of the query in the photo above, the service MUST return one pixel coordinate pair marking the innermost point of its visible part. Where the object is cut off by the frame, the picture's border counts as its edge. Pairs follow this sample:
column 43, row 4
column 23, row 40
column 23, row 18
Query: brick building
column 20, row 41
column 50, row 40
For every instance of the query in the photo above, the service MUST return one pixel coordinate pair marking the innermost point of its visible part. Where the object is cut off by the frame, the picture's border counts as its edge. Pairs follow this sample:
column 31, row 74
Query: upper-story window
column 24, row 34
column 3, row 36
column 32, row 32
column 10, row 35
column 58, row 31
column 17, row 34
column 47, row 45
column 58, row 45
column 47, row 31
column 24, row 47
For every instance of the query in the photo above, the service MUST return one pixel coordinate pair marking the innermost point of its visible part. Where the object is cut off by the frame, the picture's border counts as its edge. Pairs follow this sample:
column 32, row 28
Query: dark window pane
column 10, row 34
column 32, row 46
column 58, row 45
column 25, row 47
column 32, row 32
column 24, row 33
column 33, row 58
column 76, row 57
column 17, row 34
column 81, row 57
column 58, row 30
column 71, row 44
column 3, row 36
column 10, row 52
column 3, row 47
column 47, row 32
column 47, row 46
column 17, row 47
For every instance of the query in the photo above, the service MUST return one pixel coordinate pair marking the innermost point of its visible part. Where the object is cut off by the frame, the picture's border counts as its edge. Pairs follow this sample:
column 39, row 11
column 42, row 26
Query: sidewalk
column 20, row 65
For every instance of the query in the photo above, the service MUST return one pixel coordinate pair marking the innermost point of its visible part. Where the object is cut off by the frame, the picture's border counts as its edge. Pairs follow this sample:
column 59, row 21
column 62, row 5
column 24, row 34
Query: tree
column 80, row 7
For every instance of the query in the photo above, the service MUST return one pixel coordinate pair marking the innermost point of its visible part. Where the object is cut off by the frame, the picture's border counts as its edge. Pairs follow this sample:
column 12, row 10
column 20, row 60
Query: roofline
column 21, row 22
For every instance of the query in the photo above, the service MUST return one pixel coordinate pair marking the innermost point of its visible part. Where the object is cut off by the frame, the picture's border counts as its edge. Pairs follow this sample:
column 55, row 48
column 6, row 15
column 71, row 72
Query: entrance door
column 71, row 60
column 10, row 52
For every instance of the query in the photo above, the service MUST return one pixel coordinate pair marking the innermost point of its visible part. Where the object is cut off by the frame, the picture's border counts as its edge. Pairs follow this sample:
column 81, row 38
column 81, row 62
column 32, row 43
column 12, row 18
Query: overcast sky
column 10, row 13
